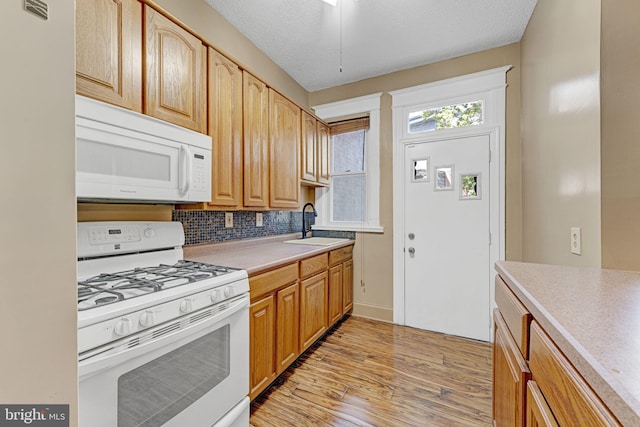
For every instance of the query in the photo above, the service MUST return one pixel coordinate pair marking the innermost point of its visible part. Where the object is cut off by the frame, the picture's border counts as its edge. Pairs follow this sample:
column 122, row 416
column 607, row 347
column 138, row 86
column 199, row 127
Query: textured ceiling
column 378, row 36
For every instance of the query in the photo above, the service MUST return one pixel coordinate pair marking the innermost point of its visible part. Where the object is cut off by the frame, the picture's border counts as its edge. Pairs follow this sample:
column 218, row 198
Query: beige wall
column 217, row 31
column 373, row 252
column 560, row 60
column 38, row 231
column 620, row 146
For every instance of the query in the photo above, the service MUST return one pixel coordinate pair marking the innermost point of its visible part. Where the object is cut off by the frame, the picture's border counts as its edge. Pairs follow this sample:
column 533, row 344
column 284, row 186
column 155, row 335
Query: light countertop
column 257, row 255
column 593, row 316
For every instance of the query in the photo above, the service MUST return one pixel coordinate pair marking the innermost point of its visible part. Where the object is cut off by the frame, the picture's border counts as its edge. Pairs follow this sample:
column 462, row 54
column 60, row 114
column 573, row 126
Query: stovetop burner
column 110, row 288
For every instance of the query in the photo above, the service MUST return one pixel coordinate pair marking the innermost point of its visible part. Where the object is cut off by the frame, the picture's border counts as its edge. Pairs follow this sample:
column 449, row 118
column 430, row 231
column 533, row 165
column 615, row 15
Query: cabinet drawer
column 272, row 280
column 313, row 265
column 339, row 255
column 515, row 315
column 570, row 398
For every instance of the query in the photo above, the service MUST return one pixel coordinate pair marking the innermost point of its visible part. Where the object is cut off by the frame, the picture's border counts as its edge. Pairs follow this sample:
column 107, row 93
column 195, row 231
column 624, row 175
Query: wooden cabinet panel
column 538, row 412
column 510, row 375
column 313, row 265
column 109, row 51
column 284, row 138
column 515, row 315
column 313, row 309
column 272, row 280
column 347, row 283
column 338, row 256
column 335, row 307
column 175, row 85
column 569, row 397
column 308, row 148
column 262, row 370
column 322, row 154
column 256, row 142
column 225, row 128
column 287, row 330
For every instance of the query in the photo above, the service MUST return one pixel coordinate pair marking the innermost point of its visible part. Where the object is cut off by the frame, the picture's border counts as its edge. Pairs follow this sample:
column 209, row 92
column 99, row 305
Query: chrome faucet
column 304, row 222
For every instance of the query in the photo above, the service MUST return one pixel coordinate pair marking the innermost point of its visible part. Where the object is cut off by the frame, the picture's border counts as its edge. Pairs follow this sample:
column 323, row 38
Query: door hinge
column 489, row 238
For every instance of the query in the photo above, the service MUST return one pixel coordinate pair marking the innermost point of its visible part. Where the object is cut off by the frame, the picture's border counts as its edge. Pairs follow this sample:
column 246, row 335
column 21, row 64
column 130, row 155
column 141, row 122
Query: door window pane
column 470, row 186
column 446, row 117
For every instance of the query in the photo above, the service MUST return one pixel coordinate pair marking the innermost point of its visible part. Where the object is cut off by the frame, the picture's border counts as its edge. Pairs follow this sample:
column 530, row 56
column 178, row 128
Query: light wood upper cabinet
column 225, row 128
column 175, row 74
column 322, row 154
column 109, row 51
column 284, row 138
column 308, row 150
column 256, row 141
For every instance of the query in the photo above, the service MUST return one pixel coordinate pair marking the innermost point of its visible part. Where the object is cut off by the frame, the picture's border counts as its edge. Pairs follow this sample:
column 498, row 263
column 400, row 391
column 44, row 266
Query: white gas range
column 162, row 341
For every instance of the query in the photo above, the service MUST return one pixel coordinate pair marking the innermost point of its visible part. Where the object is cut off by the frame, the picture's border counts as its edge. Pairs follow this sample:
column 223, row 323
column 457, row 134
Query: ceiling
column 378, row 36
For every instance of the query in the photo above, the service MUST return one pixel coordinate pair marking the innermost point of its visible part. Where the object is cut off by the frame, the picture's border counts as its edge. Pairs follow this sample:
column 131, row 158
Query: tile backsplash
column 209, row 226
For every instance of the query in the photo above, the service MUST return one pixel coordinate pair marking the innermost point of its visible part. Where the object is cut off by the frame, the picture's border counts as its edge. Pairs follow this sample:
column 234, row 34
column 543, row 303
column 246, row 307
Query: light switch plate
column 228, row 219
column 259, row 219
column 576, row 240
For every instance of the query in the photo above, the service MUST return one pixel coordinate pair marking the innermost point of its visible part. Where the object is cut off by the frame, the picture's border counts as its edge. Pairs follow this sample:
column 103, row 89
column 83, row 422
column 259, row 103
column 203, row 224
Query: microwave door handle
column 185, row 158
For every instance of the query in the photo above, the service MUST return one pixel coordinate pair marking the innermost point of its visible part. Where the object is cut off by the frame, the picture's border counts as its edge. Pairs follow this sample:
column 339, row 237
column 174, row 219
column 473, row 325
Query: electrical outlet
column 576, row 240
column 228, row 219
column 259, row 218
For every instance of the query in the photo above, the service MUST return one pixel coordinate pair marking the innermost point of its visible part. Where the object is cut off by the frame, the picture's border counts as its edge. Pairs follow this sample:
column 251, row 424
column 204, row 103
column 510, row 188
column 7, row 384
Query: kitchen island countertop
column 593, row 316
column 257, row 255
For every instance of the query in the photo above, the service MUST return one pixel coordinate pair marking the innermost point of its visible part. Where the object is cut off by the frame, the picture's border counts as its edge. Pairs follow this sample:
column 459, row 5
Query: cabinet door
column 256, row 142
column 284, row 139
column 262, row 369
column 335, row 293
column 225, row 128
column 538, row 412
column 570, row 398
column 109, row 51
column 287, row 331
column 313, row 309
column 323, row 154
column 175, row 73
column 510, row 376
column 308, row 148
column 347, row 283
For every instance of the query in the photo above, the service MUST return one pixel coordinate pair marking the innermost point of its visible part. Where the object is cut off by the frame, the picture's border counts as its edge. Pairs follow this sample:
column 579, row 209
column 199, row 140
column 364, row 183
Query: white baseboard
column 374, row 312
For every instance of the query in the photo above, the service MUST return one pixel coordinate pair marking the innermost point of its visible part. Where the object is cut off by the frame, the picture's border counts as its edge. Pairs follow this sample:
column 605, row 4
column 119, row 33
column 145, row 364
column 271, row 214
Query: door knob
column 412, row 251
column 412, row 236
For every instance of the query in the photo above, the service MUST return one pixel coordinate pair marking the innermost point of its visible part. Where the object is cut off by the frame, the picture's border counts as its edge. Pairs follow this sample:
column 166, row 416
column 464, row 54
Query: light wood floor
column 368, row 373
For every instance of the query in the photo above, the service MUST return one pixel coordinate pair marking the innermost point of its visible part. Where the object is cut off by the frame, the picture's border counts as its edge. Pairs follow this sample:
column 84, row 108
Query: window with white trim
column 351, row 202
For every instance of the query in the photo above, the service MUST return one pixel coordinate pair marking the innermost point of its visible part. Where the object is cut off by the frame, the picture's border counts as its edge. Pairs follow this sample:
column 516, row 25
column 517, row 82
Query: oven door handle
column 115, row 353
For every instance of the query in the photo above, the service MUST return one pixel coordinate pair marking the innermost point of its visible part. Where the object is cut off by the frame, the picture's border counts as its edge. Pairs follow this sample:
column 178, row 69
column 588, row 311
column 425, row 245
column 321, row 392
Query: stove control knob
column 122, row 327
column 148, row 318
column 186, row 306
column 149, row 233
column 228, row 292
column 215, row 295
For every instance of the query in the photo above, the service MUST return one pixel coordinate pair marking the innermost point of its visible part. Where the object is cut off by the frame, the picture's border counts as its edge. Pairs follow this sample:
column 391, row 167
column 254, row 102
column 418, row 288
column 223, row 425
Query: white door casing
column 488, row 86
column 447, row 238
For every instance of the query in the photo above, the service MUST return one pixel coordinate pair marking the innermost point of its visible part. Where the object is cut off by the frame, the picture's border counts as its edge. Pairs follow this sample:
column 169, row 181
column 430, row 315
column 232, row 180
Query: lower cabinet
column 293, row 306
column 534, row 384
column 262, row 369
column 313, row 308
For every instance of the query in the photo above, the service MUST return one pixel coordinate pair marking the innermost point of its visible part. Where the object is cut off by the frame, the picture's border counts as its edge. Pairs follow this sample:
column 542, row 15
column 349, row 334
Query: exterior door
column 447, row 236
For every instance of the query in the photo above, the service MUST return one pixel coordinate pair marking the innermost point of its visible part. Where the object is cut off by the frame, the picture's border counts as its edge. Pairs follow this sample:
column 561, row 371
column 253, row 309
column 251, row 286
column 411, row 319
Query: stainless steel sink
column 317, row 241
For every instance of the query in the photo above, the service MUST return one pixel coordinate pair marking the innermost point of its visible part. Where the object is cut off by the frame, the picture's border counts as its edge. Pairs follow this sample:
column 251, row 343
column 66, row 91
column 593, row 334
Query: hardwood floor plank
column 369, row 373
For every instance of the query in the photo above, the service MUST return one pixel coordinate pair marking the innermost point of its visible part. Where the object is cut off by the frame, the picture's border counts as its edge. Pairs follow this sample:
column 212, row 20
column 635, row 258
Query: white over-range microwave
column 125, row 156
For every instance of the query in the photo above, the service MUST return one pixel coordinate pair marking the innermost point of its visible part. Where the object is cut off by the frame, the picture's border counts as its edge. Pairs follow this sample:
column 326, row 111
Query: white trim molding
column 487, row 86
column 369, row 104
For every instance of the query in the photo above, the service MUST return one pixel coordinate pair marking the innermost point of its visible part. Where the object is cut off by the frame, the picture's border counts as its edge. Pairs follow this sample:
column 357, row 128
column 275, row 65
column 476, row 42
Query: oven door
column 188, row 372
